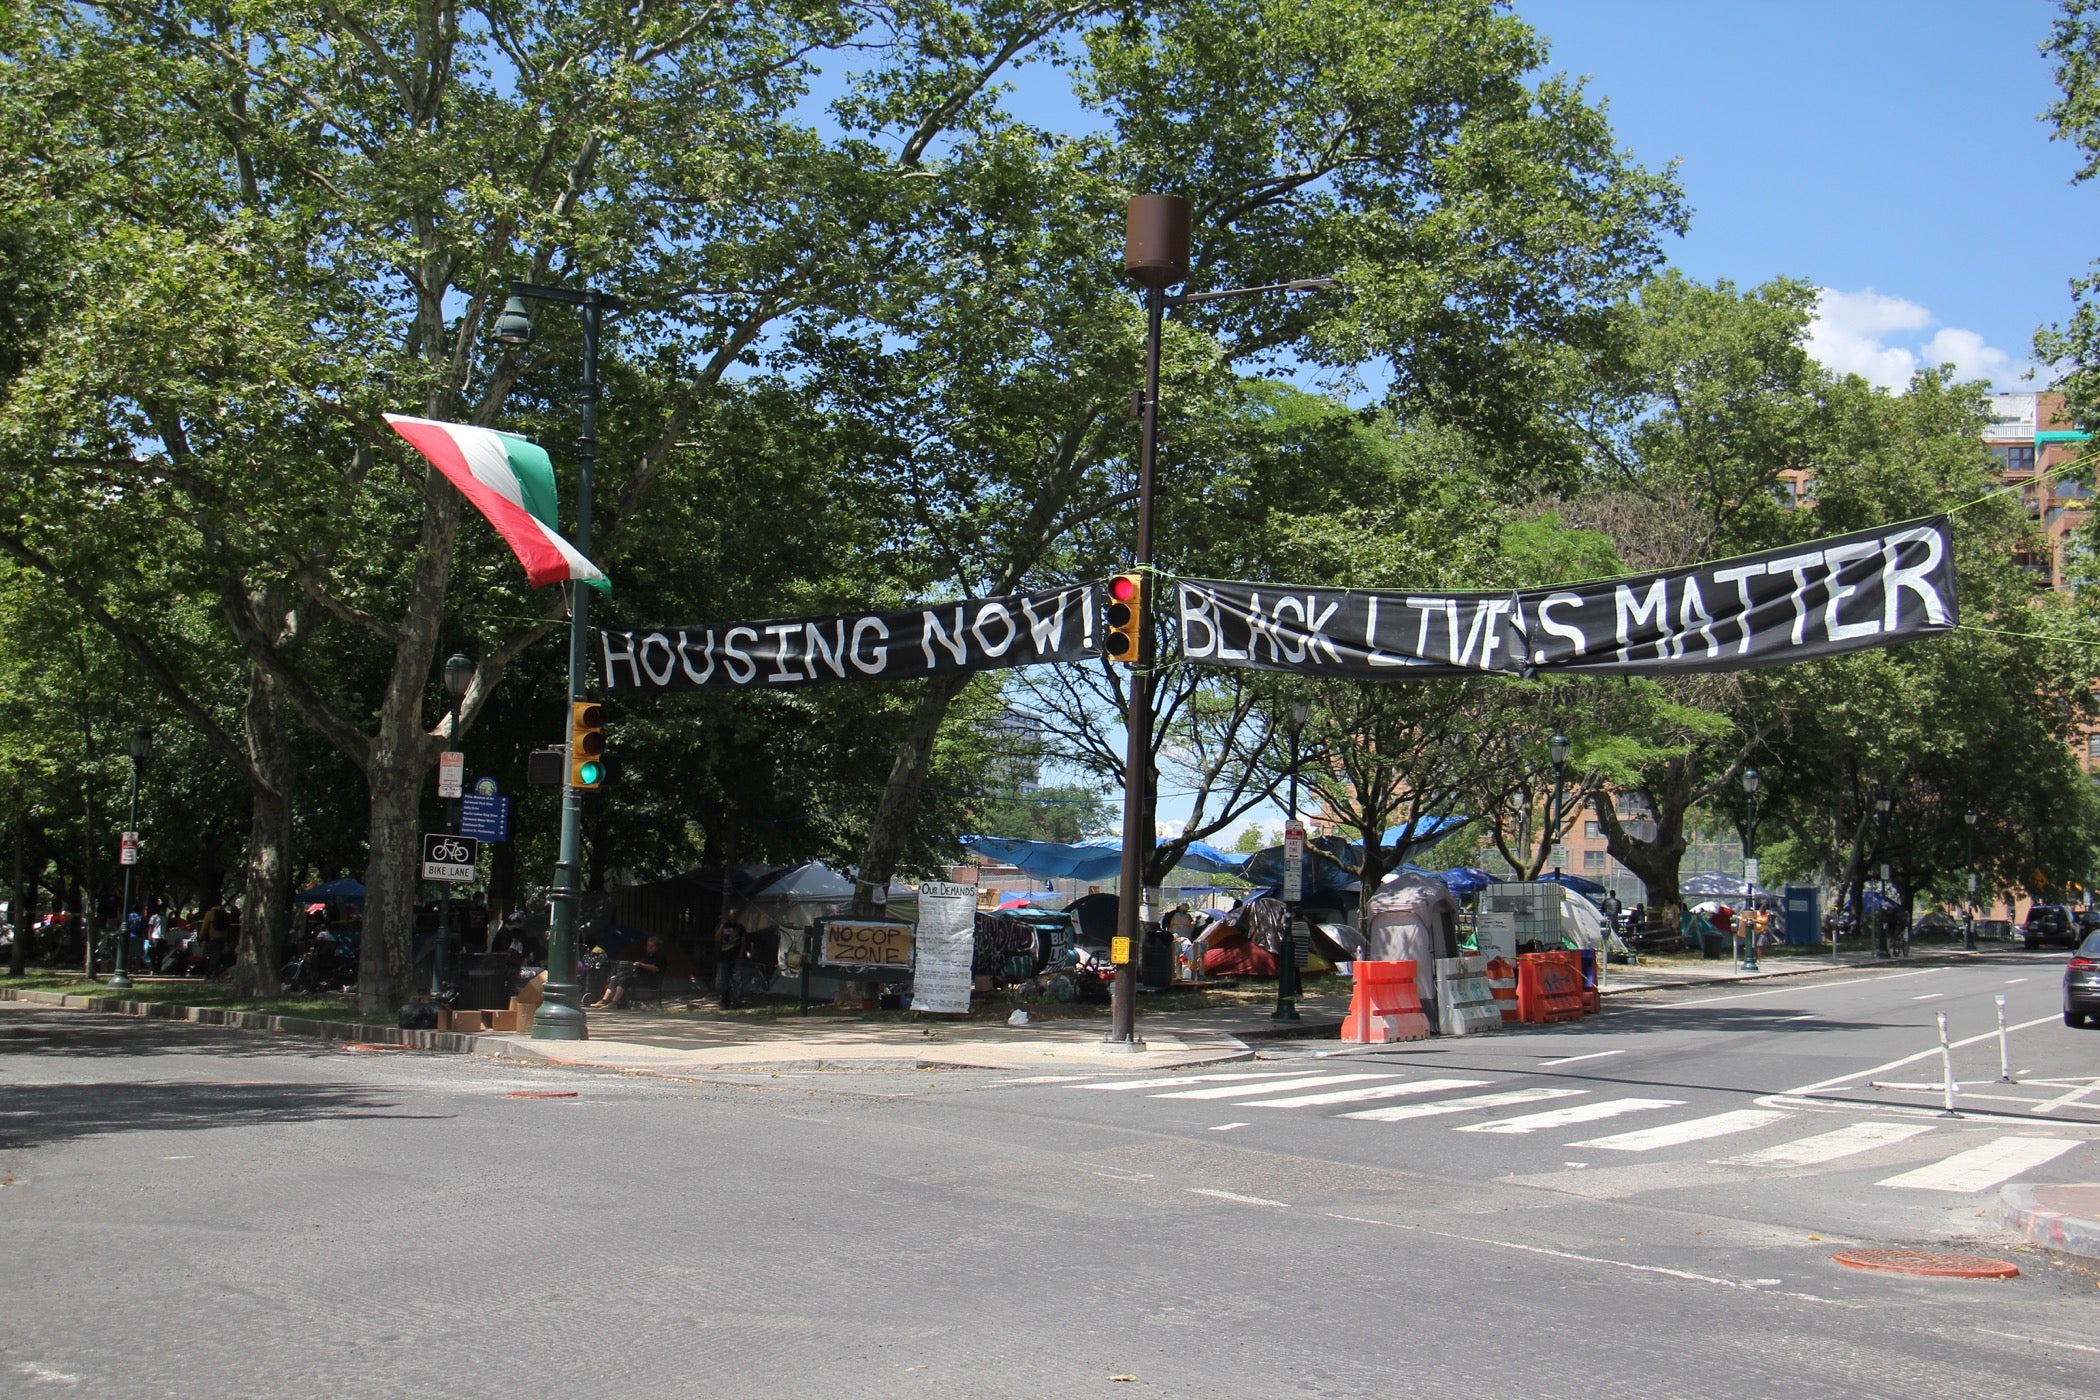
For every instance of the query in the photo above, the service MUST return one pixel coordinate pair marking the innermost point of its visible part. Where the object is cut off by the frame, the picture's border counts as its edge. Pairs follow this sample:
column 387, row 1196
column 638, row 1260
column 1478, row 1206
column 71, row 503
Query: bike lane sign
column 449, row 857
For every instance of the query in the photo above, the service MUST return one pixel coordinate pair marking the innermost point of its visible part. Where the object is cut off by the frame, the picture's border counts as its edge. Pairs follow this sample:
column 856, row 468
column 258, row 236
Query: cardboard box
column 501, row 1020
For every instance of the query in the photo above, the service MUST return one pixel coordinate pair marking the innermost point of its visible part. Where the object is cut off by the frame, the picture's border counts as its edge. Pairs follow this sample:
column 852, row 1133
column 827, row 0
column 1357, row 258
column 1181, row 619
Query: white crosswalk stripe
column 1248, row 1091
column 1982, row 1167
column 1564, row 1117
column 1829, row 1147
column 1175, row 1081
column 1373, row 1091
column 1401, row 1113
column 1741, row 1120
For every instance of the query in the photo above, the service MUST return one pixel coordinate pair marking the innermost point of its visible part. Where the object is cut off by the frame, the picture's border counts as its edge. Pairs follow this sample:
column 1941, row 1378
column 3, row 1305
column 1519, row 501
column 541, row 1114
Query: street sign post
column 128, row 848
column 1293, row 862
column 448, row 857
column 485, row 818
column 452, row 771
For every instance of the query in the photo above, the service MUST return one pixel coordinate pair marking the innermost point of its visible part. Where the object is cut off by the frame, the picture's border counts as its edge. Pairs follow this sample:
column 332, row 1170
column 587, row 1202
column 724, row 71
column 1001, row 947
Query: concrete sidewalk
column 674, row 1044
column 2063, row 1218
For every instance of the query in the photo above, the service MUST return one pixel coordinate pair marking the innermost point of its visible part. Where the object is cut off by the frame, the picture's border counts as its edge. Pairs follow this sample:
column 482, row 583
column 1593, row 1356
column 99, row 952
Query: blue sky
column 1888, row 150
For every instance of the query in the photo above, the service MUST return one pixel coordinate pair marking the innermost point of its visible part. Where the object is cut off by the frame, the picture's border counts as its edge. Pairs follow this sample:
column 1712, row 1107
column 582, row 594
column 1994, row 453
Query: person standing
column 732, row 942
column 213, row 931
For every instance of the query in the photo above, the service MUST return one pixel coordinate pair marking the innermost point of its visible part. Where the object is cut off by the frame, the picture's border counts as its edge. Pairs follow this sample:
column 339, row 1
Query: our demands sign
column 1818, row 599
column 979, row 634
column 865, row 943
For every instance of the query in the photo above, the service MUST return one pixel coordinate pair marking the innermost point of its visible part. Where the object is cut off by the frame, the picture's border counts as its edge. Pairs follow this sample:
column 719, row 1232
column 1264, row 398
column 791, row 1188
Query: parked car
column 2082, row 982
column 2052, row 924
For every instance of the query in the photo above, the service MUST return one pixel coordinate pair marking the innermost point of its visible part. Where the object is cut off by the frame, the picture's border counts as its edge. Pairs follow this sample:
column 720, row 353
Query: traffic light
column 587, row 764
column 1126, row 618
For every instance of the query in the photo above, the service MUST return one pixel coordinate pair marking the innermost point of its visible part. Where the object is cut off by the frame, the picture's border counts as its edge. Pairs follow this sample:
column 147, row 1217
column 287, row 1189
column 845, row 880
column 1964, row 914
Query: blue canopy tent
column 1712, row 884
column 344, row 891
column 1328, row 858
column 1573, row 882
column 1098, row 859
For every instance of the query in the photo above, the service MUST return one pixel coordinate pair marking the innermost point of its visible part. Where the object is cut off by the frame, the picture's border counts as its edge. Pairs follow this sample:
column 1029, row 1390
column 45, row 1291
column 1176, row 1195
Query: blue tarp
column 1573, row 882
column 345, row 891
column 1465, row 880
column 1098, row 859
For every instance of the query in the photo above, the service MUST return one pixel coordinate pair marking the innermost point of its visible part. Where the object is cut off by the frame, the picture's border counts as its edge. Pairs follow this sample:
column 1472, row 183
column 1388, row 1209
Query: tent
column 1465, row 881
column 1706, row 884
column 1015, row 898
column 1414, row 918
column 1097, row 859
column 1573, row 882
column 344, row 891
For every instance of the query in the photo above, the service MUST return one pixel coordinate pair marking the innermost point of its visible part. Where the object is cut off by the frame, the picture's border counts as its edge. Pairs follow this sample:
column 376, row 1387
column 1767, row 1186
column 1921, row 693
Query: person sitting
column 643, row 975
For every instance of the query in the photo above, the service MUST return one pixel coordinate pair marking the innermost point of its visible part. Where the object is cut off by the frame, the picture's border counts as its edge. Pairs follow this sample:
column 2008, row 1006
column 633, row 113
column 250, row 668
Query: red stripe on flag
column 543, row 563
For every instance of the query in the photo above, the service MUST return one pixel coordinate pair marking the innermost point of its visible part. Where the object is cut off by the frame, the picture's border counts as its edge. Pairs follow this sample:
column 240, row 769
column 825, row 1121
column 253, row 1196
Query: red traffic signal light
column 1126, row 618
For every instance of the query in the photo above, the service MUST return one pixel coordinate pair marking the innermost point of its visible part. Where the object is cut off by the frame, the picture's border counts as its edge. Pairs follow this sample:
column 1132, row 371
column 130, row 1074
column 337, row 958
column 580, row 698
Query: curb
column 305, row 1027
column 2021, row 1208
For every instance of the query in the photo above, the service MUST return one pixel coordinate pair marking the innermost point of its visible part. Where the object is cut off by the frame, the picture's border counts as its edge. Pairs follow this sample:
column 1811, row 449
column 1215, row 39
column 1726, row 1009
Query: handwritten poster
column 947, row 937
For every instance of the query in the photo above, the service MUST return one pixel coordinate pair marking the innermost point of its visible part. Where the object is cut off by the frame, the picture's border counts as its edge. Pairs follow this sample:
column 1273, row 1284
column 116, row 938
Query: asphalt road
column 192, row 1212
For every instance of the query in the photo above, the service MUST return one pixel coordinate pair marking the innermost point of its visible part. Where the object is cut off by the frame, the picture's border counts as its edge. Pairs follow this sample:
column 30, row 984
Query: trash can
column 1714, row 945
column 1156, row 958
column 487, row 981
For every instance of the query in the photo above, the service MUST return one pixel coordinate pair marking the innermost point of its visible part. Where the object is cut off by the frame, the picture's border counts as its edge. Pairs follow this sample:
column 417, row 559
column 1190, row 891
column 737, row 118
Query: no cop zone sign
column 449, row 857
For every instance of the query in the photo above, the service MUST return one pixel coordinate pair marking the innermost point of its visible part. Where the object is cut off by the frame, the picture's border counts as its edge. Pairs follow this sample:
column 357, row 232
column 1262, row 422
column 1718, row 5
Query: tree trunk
column 899, row 807
column 267, row 889
column 1656, row 862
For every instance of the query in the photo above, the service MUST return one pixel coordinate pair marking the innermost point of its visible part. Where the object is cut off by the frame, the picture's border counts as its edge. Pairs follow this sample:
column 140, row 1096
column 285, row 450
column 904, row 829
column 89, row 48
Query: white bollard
column 2004, row 1047
column 1947, row 1068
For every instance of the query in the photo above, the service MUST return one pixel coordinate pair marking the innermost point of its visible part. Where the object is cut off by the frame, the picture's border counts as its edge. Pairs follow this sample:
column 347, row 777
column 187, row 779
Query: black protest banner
column 978, row 634
column 1822, row 598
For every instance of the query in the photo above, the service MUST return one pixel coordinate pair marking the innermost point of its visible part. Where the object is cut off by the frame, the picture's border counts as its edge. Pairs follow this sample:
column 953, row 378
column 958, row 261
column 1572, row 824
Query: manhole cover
column 1929, row 1263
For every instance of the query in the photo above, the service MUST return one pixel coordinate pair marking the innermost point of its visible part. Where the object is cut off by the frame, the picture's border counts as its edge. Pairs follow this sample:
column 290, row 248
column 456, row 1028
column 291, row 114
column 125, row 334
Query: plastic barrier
column 1502, row 981
column 1383, row 1004
column 1465, row 1002
column 1549, row 987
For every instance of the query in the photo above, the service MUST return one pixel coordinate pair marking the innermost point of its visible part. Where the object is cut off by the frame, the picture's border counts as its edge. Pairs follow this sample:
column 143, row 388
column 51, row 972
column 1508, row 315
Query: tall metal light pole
column 560, row 1018
column 1557, row 750
column 141, row 746
column 1751, row 782
column 1968, row 928
column 1287, row 986
column 1156, row 255
column 459, row 674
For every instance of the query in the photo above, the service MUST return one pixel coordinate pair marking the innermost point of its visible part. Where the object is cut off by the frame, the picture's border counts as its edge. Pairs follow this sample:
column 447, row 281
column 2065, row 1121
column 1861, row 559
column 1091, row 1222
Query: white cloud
column 1881, row 339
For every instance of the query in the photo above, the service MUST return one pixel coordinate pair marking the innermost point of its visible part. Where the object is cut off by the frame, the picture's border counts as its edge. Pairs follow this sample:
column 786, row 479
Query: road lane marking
column 1929, row 996
column 1048, row 1079
column 1400, row 1113
column 1981, row 1168
column 2043, row 1341
column 1828, row 1147
column 1563, row 1117
column 1913, row 1059
column 1169, row 1083
column 1740, row 1120
column 1240, row 1091
column 2010, row 980
column 1236, row 1198
column 1572, row 1257
column 1818, row 987
column 1593, row 1055
column 2073, row 1097
column 1226, row 1127
column 1374, row 1091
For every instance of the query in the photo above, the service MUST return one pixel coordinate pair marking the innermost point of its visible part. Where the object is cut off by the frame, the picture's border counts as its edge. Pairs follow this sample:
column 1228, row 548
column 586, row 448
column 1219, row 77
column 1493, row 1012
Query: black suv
column 2051, row 924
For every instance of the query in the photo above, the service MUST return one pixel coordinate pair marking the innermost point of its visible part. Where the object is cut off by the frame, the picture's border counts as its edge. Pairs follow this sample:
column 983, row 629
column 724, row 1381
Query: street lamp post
column 141, row 746
column 459, row 674
column 1156, row 255
column 1968, row 928
column 1287, row 987
column 1557, row 750
column 1751, row 782
column 1883, row 804
column 560, row 1018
